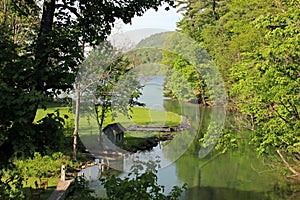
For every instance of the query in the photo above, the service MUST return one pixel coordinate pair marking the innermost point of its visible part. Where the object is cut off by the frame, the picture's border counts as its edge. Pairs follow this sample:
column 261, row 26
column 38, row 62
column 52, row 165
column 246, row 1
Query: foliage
column 41, row 48
column 198, row 14
column 181, row 80
column 11, row 186
column 50, row 130
column 46, row 136
column 139, row 185
column 43, row 166
column 273, row 81
column 255, row 46
column 105, row 80
column 185, row 64
column 80, row 190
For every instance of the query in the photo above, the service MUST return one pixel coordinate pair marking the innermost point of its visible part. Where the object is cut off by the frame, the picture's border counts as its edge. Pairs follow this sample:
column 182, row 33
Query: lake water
column 236, row 174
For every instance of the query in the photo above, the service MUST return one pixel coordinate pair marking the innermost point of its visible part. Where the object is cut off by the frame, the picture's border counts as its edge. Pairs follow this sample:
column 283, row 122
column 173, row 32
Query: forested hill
column 155, row 40
column 147, row 55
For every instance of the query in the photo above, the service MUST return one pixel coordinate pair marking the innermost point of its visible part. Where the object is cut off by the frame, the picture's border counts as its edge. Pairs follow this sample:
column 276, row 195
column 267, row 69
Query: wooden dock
column 61, row 190
column 151, row 128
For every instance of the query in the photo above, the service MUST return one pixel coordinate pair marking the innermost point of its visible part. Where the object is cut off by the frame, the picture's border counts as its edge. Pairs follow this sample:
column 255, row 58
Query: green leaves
column 11, row 184
column 256, row 46
column 42, row 46
column 274, row 82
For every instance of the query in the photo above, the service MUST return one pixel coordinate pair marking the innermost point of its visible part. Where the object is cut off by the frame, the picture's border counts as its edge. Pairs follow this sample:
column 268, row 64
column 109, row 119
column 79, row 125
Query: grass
column 146, row 116
column 63, row 110
column 135, row 140
column 140, row 116
column 30, row 182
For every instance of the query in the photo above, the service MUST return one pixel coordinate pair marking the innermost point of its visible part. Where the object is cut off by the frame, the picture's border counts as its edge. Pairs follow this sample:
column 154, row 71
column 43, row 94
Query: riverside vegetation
column 254, row 44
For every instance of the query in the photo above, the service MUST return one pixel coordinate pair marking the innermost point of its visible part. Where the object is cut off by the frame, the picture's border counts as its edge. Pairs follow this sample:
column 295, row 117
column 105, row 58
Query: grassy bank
column 48, row 166
column 139, row 115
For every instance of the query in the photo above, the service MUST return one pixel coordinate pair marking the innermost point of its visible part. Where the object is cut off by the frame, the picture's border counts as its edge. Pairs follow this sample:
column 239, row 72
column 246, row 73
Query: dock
column 61, row 190
column 151, row 128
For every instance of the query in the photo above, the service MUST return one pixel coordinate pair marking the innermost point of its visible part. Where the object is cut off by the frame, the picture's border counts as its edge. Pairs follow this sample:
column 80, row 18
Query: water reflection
column 237, row 174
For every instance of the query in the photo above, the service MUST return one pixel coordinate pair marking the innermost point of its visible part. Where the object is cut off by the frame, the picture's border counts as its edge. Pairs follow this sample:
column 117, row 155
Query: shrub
column 43, row 166
column 11, row 184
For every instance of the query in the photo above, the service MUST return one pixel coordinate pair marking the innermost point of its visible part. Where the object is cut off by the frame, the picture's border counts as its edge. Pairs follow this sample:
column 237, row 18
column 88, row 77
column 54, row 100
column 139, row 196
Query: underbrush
column 44, row 166
column 23, row 173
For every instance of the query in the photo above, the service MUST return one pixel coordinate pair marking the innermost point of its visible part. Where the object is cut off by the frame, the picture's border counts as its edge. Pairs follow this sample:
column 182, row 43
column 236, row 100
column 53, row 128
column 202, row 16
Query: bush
column 11, row 186
column 43, row 166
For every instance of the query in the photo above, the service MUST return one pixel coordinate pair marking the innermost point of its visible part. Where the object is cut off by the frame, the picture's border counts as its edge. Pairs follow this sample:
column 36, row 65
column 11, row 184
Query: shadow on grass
column 44, row 194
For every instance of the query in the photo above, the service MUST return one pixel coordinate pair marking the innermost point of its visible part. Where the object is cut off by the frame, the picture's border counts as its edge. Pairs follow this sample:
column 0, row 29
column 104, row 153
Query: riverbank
column 138, row 138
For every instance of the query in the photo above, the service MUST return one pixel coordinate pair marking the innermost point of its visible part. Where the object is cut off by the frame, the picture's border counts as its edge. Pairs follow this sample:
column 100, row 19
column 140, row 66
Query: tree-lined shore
column 254, row 47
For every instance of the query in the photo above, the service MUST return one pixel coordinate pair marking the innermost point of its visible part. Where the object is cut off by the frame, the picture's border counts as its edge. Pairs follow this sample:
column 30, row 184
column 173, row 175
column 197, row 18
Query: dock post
column 63, row 173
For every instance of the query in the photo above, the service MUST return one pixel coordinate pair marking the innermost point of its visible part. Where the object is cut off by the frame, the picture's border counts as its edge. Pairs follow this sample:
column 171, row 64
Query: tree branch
column 71, row 9
column 295, row 111
column 280, row 116
column 287, row 164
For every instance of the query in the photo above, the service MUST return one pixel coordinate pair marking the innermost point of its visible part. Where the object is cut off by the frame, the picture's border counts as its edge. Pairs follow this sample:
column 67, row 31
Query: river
column 237, row 174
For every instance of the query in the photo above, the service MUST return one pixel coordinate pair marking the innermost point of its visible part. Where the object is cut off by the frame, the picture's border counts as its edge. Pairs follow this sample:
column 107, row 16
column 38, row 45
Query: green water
column 236, row 174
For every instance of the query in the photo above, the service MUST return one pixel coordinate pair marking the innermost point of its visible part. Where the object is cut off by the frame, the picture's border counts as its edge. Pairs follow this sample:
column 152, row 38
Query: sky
column 142, row 27
column 161, row 19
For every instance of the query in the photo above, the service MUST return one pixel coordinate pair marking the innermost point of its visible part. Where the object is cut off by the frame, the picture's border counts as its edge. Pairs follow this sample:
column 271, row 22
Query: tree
column 197, row 14
column 46, row 60
column 273, row 81
column 106, row 84
column 254, row 45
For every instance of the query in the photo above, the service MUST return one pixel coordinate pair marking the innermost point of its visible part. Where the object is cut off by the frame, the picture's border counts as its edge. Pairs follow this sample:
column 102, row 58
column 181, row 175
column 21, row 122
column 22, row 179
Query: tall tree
column 256, row 46
column 106, row 85
column 197, row 14
column 45, row 62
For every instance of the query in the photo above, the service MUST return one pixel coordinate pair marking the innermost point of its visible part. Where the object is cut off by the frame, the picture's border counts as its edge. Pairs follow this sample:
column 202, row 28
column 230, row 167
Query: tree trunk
column 76, row 121
column 47, row 17
column 41, row 56
column 287, row 164
column 103, row 110
column 203, row 95
column 214, row 9
column 100, row 122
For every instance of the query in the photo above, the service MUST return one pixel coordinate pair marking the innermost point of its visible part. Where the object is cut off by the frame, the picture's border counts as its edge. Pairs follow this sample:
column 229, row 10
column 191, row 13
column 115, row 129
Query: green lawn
column 30, row 182
column 88, row 128
column 140, row 116
column 146, row 116
column 62, row 110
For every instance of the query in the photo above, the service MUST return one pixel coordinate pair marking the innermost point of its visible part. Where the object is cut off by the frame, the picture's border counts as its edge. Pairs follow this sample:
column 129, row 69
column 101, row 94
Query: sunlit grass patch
column 139, row 116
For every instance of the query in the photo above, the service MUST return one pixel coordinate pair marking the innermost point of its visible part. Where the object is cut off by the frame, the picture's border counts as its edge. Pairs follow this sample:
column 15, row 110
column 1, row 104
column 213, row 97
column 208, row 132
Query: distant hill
column 155, row 40
column 147, row 56
column 132, row 38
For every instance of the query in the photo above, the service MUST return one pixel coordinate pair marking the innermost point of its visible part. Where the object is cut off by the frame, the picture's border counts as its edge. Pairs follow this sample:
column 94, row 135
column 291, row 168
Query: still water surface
column 236, row 174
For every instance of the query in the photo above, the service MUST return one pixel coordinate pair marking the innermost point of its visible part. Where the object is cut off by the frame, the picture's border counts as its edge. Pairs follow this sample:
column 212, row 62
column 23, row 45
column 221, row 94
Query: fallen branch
column 287, row 164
